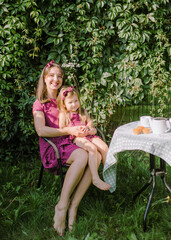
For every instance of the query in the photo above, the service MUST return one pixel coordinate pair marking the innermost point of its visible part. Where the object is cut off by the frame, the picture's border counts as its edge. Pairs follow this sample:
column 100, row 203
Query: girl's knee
column 92, row 148
column 99, row 158
column 106, row 148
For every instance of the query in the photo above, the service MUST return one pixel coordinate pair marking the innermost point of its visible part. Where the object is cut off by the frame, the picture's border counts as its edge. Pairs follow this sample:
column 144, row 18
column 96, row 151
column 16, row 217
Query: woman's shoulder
column 37, row 106
column 40, row 106
column 36, row 101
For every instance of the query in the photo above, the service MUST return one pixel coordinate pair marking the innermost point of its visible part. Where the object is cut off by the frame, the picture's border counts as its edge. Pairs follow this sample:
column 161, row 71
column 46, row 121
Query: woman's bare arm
column 45, row 131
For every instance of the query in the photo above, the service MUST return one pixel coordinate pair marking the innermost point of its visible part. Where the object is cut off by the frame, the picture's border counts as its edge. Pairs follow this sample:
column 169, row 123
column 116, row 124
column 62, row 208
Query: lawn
column 27, row 212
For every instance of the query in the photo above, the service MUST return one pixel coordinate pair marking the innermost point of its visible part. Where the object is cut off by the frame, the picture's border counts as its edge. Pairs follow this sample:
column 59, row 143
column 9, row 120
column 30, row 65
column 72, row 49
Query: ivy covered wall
column 115, row 52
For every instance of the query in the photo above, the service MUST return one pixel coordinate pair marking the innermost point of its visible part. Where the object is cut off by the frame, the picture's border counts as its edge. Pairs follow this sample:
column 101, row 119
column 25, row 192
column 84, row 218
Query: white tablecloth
column 124, row 139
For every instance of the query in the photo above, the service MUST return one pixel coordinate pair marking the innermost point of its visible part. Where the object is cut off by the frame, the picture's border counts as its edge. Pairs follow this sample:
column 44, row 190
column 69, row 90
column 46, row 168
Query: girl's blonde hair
column 67, row 92
column 41, row 93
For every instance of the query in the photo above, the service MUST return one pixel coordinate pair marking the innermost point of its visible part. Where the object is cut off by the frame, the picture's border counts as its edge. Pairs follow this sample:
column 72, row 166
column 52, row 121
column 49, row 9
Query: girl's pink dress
column 64, row 143
column 76, row 121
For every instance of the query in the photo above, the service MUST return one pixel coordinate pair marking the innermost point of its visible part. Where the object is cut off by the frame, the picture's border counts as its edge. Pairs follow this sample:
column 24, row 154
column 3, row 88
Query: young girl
column 71, row 114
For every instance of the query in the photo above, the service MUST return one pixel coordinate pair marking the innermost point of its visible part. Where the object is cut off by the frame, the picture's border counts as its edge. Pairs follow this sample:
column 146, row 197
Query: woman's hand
column 77, row 131
column 88, row 130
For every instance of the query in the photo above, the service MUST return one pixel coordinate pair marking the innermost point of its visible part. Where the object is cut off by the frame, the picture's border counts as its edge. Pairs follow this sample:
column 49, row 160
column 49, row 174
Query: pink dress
column 64, row 143
column 76, row 121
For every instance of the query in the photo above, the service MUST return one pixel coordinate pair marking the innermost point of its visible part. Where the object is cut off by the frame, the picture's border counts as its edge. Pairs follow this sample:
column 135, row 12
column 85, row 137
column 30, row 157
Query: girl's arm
column 62, row 122
column 91, row 129
column 45, row 131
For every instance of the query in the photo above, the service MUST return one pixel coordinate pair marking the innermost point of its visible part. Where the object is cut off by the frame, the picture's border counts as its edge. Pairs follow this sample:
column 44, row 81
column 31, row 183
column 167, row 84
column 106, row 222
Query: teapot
column 159, row 125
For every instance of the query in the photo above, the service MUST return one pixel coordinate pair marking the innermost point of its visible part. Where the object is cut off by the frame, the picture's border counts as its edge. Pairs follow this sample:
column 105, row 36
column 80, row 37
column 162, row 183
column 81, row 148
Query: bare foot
column 101, row 184
column 59, row 220
column 72, row 213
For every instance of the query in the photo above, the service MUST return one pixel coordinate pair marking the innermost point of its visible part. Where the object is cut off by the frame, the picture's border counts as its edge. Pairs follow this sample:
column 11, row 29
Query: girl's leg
column 78, row 160
column 92, row 149
column 101, row 147
column 79, row 193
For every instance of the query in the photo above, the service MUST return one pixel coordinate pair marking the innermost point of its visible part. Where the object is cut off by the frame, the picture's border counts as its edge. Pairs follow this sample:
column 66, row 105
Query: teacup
column 160, row 125
column 145, row 121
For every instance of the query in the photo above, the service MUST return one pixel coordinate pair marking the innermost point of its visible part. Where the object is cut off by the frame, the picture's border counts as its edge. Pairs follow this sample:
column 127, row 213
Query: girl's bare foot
column 59, row 219
column 72, row 213
column 101, row 184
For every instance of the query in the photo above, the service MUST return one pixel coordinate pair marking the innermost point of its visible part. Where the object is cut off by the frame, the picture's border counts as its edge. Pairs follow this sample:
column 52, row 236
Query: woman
column 78, row 177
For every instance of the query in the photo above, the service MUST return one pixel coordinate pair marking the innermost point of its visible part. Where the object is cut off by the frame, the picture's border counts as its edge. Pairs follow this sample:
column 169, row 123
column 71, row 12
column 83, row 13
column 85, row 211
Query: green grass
column 27, row 212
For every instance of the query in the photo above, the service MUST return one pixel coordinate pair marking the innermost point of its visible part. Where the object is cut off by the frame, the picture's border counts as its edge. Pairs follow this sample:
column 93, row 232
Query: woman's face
column 53, row 79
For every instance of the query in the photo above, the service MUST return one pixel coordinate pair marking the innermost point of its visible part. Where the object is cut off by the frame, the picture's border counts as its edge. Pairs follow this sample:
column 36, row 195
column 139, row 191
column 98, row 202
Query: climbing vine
column 114, row 52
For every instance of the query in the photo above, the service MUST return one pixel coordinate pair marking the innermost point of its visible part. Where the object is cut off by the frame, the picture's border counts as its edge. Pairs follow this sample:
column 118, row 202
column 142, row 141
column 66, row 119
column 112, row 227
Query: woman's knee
column 83, row 155
column 80, row 156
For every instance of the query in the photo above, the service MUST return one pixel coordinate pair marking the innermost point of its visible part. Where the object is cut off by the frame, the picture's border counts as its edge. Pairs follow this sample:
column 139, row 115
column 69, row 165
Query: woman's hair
column 67, row 92
column 41, row 93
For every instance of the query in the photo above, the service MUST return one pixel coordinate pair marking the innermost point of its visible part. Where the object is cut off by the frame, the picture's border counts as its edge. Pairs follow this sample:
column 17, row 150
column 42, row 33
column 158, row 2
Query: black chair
column 62, row 169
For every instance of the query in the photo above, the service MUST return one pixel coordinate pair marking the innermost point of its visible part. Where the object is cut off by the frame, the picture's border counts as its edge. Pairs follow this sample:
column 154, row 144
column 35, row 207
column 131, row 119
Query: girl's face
column 72, row 103
column 53, row 79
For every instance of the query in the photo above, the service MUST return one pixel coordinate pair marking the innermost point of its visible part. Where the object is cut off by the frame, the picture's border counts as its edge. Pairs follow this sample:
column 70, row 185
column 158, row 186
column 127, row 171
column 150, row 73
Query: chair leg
column 40, row 176
column 62, row 178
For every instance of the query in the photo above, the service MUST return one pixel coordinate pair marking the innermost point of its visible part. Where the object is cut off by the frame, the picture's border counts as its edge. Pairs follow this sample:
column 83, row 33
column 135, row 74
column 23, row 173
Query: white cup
column 145, row 121
column 160, row 125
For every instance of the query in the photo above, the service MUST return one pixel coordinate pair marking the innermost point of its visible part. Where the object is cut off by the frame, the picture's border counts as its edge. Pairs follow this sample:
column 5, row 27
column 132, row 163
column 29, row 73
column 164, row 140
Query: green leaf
column 52, row 55
column 50, row 40
column 151, row 17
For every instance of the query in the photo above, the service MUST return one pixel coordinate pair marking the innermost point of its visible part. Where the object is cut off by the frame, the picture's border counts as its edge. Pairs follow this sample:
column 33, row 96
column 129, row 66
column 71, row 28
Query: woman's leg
column 79, row 193
column 101, row 147
column 92, row 150
column 78, row 160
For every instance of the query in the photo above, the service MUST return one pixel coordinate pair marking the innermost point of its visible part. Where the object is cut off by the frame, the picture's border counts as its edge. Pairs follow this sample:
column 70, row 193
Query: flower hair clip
column 70, row 89
column 49, row 64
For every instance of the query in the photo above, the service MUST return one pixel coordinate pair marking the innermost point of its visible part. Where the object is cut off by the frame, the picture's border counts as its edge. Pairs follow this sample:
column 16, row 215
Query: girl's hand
column 91, row 131
column 88, row 130
column 77, row 131
column 85, row 129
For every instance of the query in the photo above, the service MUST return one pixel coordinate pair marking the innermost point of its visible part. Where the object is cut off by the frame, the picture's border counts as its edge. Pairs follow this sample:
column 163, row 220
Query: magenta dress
column 64, row 143
column 76, row 121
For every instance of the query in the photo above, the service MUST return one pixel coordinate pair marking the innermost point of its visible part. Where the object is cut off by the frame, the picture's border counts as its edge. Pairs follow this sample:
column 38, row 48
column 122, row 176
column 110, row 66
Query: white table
column 157, row 145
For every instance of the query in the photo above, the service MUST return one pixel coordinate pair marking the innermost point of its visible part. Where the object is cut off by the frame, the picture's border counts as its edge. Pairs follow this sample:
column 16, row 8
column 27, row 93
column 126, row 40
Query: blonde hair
column 41, row 92
column 61, row 104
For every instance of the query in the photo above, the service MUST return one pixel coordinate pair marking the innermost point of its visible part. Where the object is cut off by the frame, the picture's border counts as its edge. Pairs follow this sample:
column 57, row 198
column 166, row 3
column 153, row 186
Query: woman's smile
column 53, row 79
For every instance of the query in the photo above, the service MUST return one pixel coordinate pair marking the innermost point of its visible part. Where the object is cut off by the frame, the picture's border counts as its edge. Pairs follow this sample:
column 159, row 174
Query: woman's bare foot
column 72, row 213
column 59, row 219
column 101, row 184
